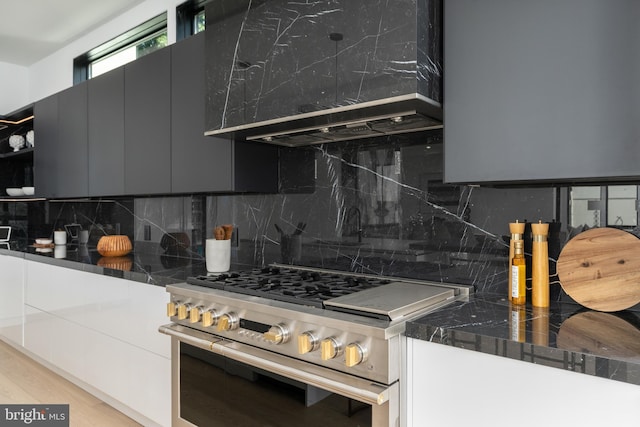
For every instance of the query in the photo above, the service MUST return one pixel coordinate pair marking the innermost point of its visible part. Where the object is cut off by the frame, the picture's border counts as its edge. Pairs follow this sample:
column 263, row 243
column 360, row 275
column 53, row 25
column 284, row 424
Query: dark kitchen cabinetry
column 139, row 130
column 106, row 134
column 60, row 159
column 72, row 173
column 198, row 163
column 206, row 164
column 45, row 126
column 147, row 125
column 542, row 90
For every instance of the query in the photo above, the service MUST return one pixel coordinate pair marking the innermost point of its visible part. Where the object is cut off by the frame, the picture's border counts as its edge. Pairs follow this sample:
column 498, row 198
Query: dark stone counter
column 565, row 336
column 147, row 263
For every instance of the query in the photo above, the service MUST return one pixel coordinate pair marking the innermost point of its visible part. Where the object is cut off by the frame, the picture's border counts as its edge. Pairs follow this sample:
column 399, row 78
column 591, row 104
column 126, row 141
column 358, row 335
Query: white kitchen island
column 97, row 331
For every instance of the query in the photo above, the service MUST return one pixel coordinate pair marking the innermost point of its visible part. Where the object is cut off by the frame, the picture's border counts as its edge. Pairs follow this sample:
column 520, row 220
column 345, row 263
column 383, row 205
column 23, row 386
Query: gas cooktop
column 293, row 285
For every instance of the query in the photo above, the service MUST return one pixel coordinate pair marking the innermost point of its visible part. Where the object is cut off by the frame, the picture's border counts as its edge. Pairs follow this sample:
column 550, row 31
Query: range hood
column 390, row 116
column 297, row 74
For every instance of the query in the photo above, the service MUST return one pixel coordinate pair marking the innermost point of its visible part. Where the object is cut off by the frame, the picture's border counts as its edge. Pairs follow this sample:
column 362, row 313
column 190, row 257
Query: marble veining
column 275, row 59
column 375, row 206
column 565, row 335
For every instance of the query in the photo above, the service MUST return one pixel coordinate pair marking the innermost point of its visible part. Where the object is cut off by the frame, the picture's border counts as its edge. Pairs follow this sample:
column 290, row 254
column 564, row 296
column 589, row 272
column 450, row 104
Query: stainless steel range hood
column 296, row 74
column 402, row 114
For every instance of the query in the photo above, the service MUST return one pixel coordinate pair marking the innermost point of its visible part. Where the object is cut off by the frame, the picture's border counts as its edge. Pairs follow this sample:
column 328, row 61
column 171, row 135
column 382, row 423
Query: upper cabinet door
column 72, row 147
column 45, row 126
column 106, row 134
column 542, row 90
column 198, row 163
column 147, row 125
column 60, row 153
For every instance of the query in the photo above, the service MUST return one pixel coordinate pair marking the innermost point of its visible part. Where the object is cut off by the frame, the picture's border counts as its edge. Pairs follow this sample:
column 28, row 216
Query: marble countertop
column 565, row 335
column 147, row 263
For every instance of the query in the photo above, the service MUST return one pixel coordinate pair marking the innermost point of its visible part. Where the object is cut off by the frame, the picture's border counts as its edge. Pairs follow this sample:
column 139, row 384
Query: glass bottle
column 517, row 233
column 518, row 275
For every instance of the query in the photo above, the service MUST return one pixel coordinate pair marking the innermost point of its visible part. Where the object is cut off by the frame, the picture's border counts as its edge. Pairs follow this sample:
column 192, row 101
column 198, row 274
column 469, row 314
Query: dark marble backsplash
column 376, row 206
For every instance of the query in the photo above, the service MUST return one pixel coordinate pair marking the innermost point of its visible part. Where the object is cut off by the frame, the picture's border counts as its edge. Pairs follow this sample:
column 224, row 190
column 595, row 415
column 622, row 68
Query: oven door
column 216, row 382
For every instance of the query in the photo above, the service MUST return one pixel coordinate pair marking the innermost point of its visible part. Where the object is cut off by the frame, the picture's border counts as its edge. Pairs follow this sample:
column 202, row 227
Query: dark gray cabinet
column 147, row 125
column 60, row 156
column 541, row 90
column 139, row 130
column 106, row 134
column 45, row 127
column 208, row 164
column 198, row 163
column 72, row 173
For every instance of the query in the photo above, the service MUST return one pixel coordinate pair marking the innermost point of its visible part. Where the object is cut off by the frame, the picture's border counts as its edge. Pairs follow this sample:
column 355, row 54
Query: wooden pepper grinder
column 517, row 232
column 540, row 265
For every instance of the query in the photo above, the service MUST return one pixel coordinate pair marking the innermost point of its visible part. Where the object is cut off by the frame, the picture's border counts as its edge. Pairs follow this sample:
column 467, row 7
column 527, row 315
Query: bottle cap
column 518, row 246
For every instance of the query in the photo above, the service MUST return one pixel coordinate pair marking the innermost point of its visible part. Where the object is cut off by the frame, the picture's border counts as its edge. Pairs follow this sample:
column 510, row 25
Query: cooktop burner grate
column 288, row 285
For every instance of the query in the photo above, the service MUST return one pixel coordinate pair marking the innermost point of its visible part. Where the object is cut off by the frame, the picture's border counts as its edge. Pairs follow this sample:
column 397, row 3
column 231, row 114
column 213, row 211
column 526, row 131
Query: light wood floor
column 24, row 381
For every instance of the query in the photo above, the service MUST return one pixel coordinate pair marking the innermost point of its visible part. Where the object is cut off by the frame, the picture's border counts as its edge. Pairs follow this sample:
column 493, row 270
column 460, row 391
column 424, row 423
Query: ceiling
column 34, row 29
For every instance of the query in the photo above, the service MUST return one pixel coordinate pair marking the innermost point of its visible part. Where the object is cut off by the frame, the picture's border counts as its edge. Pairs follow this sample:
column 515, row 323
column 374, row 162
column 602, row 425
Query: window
column 199, row 21
column 190, row 18
column 135, row 43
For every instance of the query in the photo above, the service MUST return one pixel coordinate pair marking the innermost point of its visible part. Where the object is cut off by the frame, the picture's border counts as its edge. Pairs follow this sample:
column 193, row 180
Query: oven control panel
column 334, row 343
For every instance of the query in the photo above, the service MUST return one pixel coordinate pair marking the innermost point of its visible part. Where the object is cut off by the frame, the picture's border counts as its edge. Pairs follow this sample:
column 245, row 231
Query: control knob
column 307, row 343
column 354, row 354
column 209, row 318
column 277, row 334
column 329, row 348
column 195, row 314
column 172, row 308
column 228, row 322
column 183, row 311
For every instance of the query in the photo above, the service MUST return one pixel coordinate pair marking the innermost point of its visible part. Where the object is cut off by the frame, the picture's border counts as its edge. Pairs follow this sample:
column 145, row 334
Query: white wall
column 55, row 72
column 14, row 87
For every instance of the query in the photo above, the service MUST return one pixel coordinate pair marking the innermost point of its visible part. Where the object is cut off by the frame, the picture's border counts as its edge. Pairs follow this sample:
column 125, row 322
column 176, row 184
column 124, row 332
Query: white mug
column 60, row 237
column 218, row 255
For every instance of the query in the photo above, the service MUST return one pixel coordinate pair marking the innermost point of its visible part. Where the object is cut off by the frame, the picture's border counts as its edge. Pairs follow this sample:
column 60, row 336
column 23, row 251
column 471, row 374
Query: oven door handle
column 337, row 382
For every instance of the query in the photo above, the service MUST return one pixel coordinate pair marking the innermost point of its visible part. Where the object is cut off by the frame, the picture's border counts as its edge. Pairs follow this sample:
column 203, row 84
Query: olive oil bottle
column 517, row 233
column 518, row 275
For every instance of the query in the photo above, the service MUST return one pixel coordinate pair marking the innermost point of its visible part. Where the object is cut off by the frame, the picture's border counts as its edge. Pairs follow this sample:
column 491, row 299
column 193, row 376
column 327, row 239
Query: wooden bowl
column 114, row 246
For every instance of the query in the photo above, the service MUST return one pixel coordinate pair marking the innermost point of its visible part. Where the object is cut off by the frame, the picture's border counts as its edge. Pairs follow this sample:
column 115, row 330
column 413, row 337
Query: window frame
column 185, row 17
column 82, row 63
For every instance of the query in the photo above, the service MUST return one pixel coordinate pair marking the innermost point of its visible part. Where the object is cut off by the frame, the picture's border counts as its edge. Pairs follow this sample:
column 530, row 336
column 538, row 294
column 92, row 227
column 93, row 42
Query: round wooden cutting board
column 600, row 269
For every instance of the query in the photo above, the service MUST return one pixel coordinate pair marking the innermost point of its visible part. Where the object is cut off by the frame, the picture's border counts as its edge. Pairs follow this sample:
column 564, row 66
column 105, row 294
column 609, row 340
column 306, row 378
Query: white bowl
column 15, row 192
column 28, row 191
column 44, row 241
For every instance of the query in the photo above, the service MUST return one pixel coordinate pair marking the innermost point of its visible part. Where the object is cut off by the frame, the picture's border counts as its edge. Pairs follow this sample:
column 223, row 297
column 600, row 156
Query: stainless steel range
column 334, row 332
